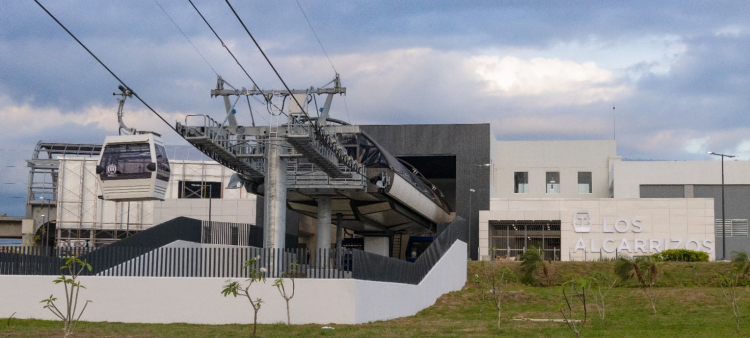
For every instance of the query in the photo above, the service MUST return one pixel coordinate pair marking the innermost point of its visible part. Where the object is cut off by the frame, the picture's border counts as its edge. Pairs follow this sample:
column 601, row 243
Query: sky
column 676, row 72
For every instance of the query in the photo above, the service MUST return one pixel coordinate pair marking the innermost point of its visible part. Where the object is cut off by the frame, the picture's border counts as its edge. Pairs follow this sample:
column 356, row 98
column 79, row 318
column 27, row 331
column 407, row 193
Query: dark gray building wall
column 662, row 191
column 737, row 207
column 469, row 143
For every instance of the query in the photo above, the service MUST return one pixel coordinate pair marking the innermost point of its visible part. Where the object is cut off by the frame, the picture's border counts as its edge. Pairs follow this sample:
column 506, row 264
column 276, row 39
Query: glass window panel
column 584, row 182
column 521, row 182
column 553, row 182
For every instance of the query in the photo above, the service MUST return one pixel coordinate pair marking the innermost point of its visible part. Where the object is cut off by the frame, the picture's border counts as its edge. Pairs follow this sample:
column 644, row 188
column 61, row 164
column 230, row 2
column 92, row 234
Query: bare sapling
column 645, row 270
column 496, row 279
column 235, row 288
column 279, row 284
column 577, row 291
column 74, row 267
column 600, row 285
column 732, row 290
column 482, row 295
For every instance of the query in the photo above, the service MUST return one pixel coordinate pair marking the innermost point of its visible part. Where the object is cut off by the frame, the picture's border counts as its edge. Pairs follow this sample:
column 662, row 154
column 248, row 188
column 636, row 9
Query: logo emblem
column 582, row 221
column 111, row 169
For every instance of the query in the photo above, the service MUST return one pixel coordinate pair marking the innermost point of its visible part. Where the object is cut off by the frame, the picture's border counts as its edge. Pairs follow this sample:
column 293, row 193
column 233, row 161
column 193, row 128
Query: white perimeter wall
column 198, row 300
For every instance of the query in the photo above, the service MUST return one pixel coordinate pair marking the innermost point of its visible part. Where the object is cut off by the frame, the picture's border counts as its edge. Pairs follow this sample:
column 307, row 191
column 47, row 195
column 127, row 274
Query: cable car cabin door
column 133, row 168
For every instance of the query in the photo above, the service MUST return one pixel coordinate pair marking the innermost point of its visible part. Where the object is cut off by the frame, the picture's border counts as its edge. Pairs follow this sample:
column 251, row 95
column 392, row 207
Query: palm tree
column 531, row 262
column 740, row 262
column 644, row 269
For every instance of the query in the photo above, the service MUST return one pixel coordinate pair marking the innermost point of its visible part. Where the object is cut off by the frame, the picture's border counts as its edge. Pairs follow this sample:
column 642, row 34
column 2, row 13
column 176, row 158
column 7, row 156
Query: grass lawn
column 683, row 311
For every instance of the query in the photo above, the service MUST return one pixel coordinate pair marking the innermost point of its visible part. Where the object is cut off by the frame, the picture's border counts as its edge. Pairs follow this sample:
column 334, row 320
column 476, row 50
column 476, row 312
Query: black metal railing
column 194, row 259
column 369, row 266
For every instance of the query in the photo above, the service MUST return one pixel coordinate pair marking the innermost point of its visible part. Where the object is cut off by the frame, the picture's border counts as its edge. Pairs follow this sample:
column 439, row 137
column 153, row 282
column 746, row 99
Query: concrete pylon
column 324, row 222
column 274, row 227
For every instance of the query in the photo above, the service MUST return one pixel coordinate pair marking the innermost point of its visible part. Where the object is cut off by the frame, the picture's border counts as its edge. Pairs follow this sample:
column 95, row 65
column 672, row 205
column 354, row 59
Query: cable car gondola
column 133, row 168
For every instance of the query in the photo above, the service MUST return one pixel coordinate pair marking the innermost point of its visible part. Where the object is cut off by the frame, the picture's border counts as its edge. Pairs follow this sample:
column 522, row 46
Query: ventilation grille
column 734, row 228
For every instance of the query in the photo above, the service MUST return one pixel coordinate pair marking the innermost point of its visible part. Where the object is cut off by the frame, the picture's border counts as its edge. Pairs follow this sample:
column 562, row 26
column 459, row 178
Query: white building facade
column 578, row 200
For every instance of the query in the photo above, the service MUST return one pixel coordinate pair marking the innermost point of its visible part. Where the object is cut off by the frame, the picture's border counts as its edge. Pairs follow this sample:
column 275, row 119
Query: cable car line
column 186, row 38
column 228, row 50
column 316, row 37
column 105, row 66
column 314, row 125
column 324, row 52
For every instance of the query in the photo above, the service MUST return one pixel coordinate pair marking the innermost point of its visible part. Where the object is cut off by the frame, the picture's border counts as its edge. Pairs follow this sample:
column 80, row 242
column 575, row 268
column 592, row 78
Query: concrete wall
column 199, row 301
column 664, row 221
column 566, row 157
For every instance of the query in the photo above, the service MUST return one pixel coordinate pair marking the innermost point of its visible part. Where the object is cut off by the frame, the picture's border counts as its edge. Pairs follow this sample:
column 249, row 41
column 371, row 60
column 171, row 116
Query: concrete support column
column 339, row 230
column 274, row 227
column 324, row 222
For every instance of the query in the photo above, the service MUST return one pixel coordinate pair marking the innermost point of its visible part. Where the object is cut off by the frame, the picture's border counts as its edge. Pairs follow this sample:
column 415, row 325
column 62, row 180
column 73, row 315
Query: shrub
column 681, row 255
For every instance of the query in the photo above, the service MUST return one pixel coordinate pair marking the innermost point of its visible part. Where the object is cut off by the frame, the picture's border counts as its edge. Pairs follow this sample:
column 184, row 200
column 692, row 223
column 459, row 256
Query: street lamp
column 471, row 206
column 723, row 215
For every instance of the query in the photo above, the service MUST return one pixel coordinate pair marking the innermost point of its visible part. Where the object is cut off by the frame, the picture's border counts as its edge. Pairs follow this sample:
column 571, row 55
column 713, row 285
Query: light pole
column 471, row 206
column 723, row 215
column 471, row 209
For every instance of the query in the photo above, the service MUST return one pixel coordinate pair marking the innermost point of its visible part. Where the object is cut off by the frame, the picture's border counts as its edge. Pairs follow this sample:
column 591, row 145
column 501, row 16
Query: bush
column 682, row 255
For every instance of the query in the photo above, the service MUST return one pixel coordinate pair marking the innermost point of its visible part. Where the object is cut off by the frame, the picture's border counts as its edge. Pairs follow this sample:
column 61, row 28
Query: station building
column 579, row 200
column 574, row 200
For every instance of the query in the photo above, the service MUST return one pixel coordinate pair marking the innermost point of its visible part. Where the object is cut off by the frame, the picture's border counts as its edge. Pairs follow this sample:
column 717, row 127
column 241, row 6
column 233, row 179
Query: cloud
column 551, row 81
column 697, row 145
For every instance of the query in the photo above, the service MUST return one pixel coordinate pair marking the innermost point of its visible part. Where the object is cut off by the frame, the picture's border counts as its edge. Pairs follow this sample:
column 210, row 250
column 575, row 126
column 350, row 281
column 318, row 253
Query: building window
column 197, row 189
column 521, row 182
column 584, row 182
column 553, row 182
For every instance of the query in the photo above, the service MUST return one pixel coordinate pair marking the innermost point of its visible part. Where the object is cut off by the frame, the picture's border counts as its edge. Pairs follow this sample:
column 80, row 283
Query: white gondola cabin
column 133, row 168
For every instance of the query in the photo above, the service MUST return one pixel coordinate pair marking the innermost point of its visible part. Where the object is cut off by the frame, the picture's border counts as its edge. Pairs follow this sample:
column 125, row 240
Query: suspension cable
column 105, row 66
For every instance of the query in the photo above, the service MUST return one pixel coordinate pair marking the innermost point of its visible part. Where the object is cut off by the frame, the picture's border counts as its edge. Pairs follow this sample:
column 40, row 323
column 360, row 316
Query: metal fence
column 222, row 262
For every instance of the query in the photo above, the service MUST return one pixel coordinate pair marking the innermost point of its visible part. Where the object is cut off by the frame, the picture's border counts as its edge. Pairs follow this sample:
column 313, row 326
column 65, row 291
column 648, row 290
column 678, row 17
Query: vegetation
column 235, row 288
column 646, row 271
column 577, row 291
column 74, row 267
column 681, row 255
column 531, row 262
column 600, row 283
column 279, row 284
column 496, row 278
column 740, row 262
column 691, row 305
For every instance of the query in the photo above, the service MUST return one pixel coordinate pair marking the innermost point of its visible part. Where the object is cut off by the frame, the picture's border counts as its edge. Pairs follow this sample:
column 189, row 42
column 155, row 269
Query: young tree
column 645, row 269
column 279, row 284
column 74, row 266
column 531, row 262
column 730, row 288
column 577, row 288
column 236, row 288
column 599, row 286
column 496, row 278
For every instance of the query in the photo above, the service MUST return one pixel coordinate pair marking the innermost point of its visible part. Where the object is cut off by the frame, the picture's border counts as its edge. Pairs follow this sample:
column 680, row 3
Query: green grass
column 683, row 311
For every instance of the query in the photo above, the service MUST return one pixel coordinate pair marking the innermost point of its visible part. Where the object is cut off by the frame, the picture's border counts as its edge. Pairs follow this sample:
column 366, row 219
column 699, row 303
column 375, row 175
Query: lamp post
column 471, row 206
column 723, row 215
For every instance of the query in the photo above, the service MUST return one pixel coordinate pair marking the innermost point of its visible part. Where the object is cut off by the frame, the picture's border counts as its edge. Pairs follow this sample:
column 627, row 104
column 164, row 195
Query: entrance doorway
column 510, row 239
